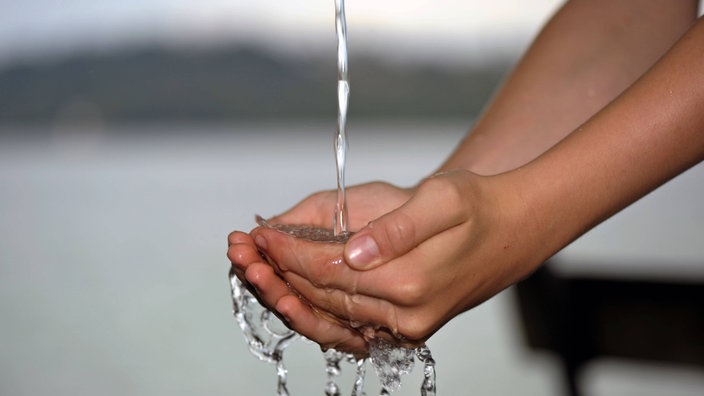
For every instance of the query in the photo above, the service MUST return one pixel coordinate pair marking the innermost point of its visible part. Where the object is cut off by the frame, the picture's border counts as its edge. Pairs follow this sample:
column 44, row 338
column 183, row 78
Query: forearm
column 648, row 135
column 588, row 53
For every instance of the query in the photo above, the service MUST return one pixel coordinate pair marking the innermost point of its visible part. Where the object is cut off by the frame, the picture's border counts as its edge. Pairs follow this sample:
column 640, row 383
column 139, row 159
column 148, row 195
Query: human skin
column 458, row 238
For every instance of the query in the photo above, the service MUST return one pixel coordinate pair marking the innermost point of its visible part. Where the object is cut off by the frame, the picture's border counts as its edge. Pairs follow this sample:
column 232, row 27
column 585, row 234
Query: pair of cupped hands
column 418, row 257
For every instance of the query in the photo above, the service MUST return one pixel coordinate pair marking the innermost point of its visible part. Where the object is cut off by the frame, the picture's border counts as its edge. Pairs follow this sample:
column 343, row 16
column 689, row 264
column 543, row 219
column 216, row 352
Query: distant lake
column 113, row 268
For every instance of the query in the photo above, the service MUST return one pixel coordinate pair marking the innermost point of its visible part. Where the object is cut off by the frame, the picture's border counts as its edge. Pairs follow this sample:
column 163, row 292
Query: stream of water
column 343, row 96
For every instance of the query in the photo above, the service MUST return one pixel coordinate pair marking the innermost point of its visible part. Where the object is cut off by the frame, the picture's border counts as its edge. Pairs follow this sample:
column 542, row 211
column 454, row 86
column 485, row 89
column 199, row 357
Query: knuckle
column 319, row 275
column 399, row 232
column 444, row 189
column 236, row 255
column 412, row 291
column 416, row 328
column 350, row 306
column 231, row 238
column 234, row 237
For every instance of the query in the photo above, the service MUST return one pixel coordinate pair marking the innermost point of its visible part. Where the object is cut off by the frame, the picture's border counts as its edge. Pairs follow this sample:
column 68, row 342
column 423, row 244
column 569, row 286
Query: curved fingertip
column 236, row 237
column 261, row 242
column 287, row 306
column 259, row 274
column 265, row 230
column 241, row 256
column 268, row 287
column 262, row 237
column 240, row 252
column 303, row 319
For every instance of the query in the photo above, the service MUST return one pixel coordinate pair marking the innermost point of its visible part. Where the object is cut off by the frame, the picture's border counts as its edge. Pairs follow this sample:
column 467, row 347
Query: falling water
column 268, row 342
column 389, row 361
column 266, row 337
column 343, row 96
column 332, row 357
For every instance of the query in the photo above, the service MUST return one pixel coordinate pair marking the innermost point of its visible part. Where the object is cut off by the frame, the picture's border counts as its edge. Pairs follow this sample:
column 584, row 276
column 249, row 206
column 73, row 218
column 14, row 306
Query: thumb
column 435, row 207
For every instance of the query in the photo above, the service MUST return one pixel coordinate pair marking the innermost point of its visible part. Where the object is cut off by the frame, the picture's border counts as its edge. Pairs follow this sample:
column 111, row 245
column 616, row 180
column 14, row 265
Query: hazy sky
column 452, row 28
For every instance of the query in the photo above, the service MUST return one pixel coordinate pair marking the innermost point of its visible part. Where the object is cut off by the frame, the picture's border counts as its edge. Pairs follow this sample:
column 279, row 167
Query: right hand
column 460, row 239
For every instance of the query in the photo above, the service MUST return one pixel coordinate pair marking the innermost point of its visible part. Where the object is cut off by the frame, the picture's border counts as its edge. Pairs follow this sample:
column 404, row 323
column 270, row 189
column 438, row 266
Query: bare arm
column 461, row 238
column 589, row 52
column 648, row 135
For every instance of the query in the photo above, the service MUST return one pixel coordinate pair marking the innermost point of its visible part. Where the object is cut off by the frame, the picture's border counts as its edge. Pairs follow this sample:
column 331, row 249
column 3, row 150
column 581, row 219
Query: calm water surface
column 113, row 268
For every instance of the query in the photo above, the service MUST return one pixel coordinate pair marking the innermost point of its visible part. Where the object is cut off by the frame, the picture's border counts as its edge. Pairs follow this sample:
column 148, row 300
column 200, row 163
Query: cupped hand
column 365, row 202
column 460, row 239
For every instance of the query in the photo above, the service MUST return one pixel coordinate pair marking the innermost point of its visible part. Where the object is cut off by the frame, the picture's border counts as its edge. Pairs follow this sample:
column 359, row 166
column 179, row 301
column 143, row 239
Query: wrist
column 531, row 220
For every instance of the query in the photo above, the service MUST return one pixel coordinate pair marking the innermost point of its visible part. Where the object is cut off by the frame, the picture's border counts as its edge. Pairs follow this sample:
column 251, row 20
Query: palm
column 365, row 202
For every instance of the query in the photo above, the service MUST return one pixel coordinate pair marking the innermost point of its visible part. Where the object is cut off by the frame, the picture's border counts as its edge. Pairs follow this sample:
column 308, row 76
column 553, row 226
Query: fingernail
column 260, row 241
column 362, row 251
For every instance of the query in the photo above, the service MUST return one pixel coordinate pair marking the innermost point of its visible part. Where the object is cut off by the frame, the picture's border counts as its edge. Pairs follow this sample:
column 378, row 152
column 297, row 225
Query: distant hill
column 233, row 84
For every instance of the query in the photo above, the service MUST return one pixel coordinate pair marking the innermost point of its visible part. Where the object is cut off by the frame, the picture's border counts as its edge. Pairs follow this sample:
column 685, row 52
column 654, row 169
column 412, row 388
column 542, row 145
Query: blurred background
column 135, row 135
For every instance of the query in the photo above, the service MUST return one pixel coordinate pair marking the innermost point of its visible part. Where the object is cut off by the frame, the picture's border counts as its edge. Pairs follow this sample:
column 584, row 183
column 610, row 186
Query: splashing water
column 332, row 369
column 390, row 362
column 267, row 338
column 427, row 388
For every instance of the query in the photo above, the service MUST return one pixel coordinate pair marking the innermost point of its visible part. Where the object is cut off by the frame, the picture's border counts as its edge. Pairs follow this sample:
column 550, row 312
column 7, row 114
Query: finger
column 320, row 262
column 322, row 265
column 436, row 206
column 236, row 237
column 253, row 271
column 273, row 293
column 302, row 318
column 242, row 252
column 268, row 285
column 241, row 249
column 372, row 316
column 358, row 310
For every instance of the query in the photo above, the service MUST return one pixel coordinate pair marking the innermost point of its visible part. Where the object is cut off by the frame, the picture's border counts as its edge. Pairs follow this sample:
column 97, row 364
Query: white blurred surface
column 113, row 268
column 454, row 30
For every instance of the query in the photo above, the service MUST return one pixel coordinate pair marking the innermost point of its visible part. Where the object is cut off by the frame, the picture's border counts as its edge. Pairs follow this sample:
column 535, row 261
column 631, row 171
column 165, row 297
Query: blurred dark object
column 238, row 83
column 585, row 318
